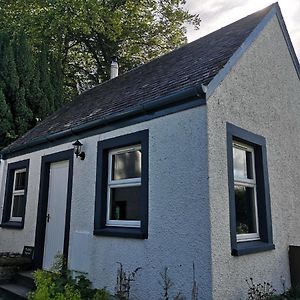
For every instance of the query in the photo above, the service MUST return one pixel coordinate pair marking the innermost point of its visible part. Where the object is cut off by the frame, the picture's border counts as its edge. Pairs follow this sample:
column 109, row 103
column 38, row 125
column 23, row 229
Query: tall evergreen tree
column 8, row 70
column 24, row 61
column 6, row 124
column 57, row 81
column 47, row 91
column 31, row 85
column 24, row 65
column 22, row 114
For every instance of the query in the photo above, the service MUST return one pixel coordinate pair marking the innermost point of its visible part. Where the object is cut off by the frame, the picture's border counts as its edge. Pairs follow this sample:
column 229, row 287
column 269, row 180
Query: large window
column 15, row 195
column 250, row 212
column 245, row 192
column 121, row 206
column 124, row 187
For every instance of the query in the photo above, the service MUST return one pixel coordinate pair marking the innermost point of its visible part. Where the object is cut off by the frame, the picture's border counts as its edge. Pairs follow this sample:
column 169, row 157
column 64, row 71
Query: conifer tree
column 23, row 114
column 6, row 124
column 24, row 62
column 24, row 65
column 31, row 85
column 34, row 98
column 56, row 77
column 47, row 91
column 8, row 71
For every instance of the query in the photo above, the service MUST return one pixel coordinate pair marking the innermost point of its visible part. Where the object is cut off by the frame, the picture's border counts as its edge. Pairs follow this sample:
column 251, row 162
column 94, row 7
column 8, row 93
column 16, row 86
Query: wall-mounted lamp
column 77, row 150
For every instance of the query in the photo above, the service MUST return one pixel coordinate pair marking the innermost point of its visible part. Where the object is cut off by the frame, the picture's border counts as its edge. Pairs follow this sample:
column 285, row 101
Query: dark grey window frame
column 11, row 168
column 258, row 142
column 100, row 227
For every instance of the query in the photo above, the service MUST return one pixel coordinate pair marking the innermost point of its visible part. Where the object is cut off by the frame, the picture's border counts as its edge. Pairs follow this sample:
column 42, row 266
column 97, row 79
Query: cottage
column 189, row 159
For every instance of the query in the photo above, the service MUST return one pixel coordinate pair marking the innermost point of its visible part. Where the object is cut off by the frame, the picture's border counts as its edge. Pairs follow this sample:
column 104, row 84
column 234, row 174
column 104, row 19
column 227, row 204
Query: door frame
column 43, row 205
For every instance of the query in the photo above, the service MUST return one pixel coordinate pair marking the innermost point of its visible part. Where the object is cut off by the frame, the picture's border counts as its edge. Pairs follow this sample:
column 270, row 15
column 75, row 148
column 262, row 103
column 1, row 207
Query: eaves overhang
column 181, row 100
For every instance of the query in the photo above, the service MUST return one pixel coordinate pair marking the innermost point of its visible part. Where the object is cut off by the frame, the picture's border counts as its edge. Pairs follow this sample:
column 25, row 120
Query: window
column 121, row 204
column 15, row 195
column 124, row 186
column 245, row 192
column 250, row 213
column 18, row 196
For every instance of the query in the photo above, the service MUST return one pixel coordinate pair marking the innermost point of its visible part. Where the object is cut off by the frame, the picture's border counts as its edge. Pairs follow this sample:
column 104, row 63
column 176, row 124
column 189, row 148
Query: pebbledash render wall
column 179, row 226
column 261, row 94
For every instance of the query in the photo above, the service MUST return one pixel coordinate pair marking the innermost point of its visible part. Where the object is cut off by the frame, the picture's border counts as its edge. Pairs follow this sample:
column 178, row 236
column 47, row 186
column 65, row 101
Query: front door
column 56, row 212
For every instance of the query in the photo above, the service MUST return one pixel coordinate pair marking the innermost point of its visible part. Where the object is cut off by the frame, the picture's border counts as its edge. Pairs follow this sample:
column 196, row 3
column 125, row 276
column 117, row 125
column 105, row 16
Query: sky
column 215, row 14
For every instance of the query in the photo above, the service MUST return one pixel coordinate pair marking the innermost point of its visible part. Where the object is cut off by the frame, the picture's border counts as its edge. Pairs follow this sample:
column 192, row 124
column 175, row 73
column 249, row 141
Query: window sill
column 12, row 225
column 244, row 248
column 121, row 232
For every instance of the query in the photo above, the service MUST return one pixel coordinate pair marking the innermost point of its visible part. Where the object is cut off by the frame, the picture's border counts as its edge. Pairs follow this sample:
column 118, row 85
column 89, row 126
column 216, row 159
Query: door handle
column 48, row 218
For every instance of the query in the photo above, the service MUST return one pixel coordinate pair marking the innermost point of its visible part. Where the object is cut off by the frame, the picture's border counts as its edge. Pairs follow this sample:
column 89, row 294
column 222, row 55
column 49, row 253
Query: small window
column 18, row 196
column 121, row 204
column 250, row 209
column 15, row 195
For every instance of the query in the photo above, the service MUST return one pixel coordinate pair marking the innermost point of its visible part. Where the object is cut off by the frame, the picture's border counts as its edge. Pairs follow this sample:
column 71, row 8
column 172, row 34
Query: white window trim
column 16, row 193
column 248, row 183
column 130, row 182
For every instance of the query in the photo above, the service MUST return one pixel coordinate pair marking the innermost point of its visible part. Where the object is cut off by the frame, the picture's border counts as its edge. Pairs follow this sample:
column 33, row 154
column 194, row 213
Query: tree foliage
column 27, row 86
column 84, row 35
column 52, row 49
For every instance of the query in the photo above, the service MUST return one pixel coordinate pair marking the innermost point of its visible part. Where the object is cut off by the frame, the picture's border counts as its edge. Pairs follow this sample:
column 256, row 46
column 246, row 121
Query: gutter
column 142, row 109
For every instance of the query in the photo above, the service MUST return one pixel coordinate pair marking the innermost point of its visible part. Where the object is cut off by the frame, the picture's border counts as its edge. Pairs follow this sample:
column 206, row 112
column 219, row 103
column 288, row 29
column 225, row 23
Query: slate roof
column 190, row 65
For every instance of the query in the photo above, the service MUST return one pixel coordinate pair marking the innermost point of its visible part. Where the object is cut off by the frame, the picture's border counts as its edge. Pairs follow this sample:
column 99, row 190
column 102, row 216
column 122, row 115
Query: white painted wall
column 178, row 210
column 261, row 94
column 179, row 230
column 15, row 239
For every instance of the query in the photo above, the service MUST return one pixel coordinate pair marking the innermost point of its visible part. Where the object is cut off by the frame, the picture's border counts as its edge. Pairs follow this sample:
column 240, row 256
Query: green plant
column 124, row 280
column 167, row 283
column 58, row 284
column 258, row 291
column 292, row 294
column 195, row 285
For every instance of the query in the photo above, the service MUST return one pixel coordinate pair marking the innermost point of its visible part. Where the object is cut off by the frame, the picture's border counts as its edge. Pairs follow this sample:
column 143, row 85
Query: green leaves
column 86, row 34
column 53, row 49
column 30, row 85
column 6, row 124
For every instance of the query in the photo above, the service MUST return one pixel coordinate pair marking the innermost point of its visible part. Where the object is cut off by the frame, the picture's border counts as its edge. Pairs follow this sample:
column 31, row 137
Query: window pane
column 245, row 210
column 18, row 206
column 242, row 164
column 126, row 165
column 20, row 180
column 125, row 203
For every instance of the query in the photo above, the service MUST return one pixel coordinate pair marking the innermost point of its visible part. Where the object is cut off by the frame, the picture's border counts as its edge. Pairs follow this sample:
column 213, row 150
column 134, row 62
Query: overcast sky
column 218, row 13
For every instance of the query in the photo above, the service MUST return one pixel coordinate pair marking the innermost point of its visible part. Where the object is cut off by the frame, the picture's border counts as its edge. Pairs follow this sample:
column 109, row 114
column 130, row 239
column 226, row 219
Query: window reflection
column 242, row 163
column 245, row 210
column 126, row 165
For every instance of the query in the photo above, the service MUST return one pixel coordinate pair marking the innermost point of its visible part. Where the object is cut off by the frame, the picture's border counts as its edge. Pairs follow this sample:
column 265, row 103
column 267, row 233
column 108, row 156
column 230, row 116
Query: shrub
column 60, row 285
column 258, row 291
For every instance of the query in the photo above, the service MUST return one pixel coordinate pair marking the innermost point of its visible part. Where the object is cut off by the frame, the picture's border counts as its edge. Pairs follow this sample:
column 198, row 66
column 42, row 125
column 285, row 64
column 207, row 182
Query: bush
column 265, row 291
column 60, row 285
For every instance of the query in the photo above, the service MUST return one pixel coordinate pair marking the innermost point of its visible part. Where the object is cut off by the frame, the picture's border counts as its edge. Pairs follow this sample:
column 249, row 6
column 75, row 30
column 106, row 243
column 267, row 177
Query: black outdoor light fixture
column 77, row 150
